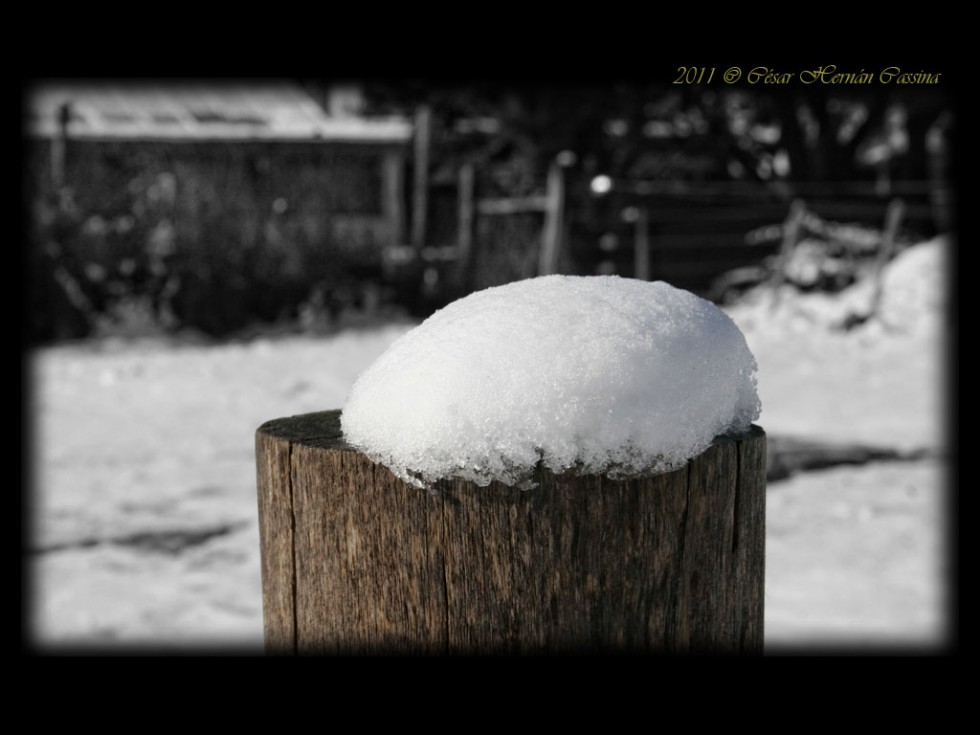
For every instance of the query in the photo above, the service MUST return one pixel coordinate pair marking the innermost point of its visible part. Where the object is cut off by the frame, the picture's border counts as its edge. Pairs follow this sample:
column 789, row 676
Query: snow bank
column 913, row 302
column 915, row 286
column 600, row 374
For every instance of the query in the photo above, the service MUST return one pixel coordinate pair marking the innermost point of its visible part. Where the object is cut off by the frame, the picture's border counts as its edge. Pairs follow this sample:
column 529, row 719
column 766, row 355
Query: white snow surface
column 598, row 374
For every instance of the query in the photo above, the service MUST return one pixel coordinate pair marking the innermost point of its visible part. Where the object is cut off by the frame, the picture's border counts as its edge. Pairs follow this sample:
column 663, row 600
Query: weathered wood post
column 356, row 561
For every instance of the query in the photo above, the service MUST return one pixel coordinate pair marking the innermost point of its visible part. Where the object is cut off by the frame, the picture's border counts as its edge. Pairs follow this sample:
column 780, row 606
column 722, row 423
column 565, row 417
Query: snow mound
column 913, row 302
column 914, row 286
column 596, row 374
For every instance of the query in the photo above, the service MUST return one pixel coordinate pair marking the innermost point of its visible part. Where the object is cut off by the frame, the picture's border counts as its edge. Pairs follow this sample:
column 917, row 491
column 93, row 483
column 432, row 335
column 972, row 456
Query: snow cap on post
column 598, row 374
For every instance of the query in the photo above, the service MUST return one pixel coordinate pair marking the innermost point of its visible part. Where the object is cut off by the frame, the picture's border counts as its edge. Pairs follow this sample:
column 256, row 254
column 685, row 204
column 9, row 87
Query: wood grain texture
column 276, row 539
column 355, row 561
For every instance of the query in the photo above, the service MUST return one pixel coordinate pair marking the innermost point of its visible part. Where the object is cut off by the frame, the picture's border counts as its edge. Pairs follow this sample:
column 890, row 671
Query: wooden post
column 59, row 146
column 553, row 215
column 466, row 214
column 886, row 251
column 641, row 248
column 420, row 188
column 356, row 561
column 392, row 178
column 792, row 228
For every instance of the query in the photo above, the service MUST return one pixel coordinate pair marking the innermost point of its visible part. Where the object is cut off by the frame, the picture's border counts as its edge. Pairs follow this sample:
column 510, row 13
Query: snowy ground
column 143, row 508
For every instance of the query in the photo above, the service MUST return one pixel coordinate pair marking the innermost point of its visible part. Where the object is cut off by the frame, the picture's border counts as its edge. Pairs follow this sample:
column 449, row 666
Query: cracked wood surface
column 355, row 561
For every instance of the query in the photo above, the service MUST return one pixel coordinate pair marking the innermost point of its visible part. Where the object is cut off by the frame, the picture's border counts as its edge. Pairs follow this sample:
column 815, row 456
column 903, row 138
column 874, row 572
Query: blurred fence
column 687, row 233
column 217, row 237
column 203, row 235
column 696, row 234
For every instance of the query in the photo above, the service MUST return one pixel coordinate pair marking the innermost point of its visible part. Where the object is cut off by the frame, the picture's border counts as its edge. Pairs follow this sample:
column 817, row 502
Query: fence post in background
column 641, row 245
column 420, row 188
column 792, row 228
column 466, row 213
column 886, row 251
column 551, row 234
column 938, row 151
column 59, row 146
column 356, row 561
column 392, row 183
